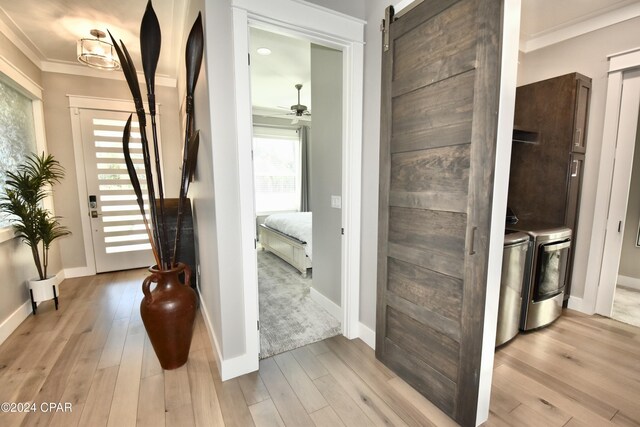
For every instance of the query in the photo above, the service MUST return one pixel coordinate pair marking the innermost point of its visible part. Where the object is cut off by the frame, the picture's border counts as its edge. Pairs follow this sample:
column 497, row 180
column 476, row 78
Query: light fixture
column 97, row 53
column 263, row 51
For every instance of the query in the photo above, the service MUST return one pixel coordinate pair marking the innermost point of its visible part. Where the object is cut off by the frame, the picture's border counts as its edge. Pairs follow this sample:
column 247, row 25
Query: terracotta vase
column 168, row 313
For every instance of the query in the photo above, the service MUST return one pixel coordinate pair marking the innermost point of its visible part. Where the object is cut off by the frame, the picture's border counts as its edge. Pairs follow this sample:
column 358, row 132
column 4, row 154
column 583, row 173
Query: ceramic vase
column 168, row 313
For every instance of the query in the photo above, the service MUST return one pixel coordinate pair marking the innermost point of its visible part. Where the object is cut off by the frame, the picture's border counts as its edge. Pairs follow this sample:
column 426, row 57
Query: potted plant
column 25, row 190
column 168, row 309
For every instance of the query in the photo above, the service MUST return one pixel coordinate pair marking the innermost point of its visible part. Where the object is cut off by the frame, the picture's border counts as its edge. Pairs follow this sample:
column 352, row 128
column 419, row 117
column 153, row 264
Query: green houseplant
column 25, row 190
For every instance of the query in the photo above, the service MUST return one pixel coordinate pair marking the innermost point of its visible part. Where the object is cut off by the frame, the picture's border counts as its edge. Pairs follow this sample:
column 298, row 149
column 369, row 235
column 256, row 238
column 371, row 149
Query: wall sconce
column 97, row 53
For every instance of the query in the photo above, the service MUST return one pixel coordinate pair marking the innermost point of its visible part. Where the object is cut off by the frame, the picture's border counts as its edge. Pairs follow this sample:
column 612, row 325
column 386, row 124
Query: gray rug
column 626, row 305
column 288, row 317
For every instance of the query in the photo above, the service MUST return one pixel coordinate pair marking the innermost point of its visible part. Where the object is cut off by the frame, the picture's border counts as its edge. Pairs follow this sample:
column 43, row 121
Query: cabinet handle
column 578, row 137
column 575, row 168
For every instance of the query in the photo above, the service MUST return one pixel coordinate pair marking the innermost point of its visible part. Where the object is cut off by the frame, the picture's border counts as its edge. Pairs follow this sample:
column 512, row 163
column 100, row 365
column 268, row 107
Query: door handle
column 576, row 166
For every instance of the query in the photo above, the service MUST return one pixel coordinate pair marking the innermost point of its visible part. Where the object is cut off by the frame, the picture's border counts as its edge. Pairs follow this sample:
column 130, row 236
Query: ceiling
column 49, row 29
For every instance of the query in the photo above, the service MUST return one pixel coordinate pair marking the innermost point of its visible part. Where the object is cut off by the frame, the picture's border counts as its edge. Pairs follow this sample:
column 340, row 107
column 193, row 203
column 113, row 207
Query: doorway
column 626, row 302
column 621, row 125
column 346, row 35
column 296, row 88
column 114, row 233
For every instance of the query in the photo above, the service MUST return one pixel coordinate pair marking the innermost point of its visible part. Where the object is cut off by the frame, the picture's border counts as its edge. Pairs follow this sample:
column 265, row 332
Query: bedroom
column 297, row 170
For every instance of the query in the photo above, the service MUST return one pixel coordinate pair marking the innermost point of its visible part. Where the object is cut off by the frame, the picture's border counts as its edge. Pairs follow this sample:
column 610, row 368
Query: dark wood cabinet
column 546, row 174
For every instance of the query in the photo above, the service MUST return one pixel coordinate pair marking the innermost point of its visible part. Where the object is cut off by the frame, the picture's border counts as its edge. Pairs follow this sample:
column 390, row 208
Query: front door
column 120, row 241
column 440, row 87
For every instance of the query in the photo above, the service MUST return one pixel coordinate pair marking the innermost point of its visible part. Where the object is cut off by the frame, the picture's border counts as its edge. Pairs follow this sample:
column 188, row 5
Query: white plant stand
column 43, row 290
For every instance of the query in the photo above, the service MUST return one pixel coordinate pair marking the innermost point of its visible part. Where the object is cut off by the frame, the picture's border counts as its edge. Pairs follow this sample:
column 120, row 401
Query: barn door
column 440, row 85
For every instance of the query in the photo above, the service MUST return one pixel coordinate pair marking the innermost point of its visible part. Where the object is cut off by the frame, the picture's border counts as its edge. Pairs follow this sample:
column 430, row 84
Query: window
column 17, row 133
column 276, row 165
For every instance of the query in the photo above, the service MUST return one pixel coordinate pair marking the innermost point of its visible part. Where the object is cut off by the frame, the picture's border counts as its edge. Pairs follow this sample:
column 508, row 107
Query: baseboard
column 229, row 368
column 578, row 304
column 367, row 335
column 70, row 273
column 629, row 282
column 14, row 320
column 324, row 302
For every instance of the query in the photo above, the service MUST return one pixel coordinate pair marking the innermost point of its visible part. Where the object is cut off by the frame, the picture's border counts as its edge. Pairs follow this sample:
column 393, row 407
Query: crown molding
column 85, row 71
column 34, row 56
column 558, row 35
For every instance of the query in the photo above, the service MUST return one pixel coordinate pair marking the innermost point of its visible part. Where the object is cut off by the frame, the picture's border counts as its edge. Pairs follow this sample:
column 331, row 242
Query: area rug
column 289, row 318
column 626, row 306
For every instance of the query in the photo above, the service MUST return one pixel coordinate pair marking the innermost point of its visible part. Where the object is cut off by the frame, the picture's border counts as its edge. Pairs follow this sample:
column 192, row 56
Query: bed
column 288, row 236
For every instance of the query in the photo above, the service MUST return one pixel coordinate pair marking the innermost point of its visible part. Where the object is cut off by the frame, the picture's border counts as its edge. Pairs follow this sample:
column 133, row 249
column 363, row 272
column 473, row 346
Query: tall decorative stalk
column 193, row 60
column 135, row 183
column 150, row 42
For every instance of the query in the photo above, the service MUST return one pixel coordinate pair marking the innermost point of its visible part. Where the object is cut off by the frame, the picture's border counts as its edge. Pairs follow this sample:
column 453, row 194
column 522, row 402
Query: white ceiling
column 50, row 29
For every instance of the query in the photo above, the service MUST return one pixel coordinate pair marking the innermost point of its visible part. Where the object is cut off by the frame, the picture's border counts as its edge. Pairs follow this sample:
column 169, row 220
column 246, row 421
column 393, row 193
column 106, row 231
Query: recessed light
column 263, row 51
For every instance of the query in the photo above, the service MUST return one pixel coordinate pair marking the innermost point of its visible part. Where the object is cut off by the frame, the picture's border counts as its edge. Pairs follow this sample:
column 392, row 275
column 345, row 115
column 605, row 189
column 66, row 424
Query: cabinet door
column 576, row 166
column 583, row 92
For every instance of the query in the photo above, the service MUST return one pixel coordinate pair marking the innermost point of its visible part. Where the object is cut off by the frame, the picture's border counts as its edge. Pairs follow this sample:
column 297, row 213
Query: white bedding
column 295, row 224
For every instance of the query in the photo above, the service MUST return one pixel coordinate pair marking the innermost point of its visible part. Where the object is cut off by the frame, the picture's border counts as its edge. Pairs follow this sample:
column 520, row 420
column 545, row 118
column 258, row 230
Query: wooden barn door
column 440, row 85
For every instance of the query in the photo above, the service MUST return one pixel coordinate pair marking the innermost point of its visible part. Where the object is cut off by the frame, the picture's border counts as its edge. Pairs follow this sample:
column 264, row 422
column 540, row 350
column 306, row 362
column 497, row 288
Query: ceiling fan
column 298, row 110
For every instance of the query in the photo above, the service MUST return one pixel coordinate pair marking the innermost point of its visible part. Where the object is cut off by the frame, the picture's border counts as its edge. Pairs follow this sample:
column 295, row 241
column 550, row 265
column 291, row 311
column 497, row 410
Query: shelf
column 526, row 136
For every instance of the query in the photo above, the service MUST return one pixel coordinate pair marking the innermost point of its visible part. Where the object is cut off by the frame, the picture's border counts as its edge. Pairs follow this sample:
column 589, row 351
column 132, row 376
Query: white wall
column 60, row 141
column 586, row 54
column 326, row 169
column 16, row 262
column 215, row 192
column 355, row 8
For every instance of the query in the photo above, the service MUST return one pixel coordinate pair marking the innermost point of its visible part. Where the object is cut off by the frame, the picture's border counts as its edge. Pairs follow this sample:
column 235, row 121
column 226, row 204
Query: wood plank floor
column 94, row 354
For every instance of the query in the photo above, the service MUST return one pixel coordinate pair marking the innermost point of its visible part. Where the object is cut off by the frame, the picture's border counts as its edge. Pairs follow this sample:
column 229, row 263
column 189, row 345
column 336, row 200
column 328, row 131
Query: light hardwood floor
column 94, row 354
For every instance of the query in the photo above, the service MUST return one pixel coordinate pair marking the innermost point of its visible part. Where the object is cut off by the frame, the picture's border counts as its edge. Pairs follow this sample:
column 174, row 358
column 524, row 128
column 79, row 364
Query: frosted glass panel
column 17, row 132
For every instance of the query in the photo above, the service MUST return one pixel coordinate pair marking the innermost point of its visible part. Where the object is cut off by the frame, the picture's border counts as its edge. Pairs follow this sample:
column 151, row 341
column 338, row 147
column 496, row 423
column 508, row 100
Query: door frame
column 337, row 31
column 613, row 180
column 77, row 102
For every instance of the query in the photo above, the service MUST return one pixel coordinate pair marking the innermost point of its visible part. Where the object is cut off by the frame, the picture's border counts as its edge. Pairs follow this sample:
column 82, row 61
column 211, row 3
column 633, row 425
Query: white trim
column 6, row 234
column 84, row 71
column 584, row 26
column 27, row 86
column 323, row 26
column 14, row 320
column 229, row 368
column 76, row 103
column 629, row 282
column 618, row 189
column 245, row 184
column 623, row 60
column 295, row 14
column 579, row 304
column 506, row 108
column 11, row 323
column 367, row 335
column 81, row 184
column 34, row 56
column 331, row 307
column 603, row 191
column 70, row 273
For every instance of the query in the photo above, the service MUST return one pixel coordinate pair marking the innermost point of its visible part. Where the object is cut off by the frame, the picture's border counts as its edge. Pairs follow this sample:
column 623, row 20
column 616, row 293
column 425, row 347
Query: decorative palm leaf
column 150, row 42
column 135, row 183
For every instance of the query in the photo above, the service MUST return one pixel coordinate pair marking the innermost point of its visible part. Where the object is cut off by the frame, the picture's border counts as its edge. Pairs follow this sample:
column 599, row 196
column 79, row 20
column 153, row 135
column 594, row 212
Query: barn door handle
column 472, row 249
